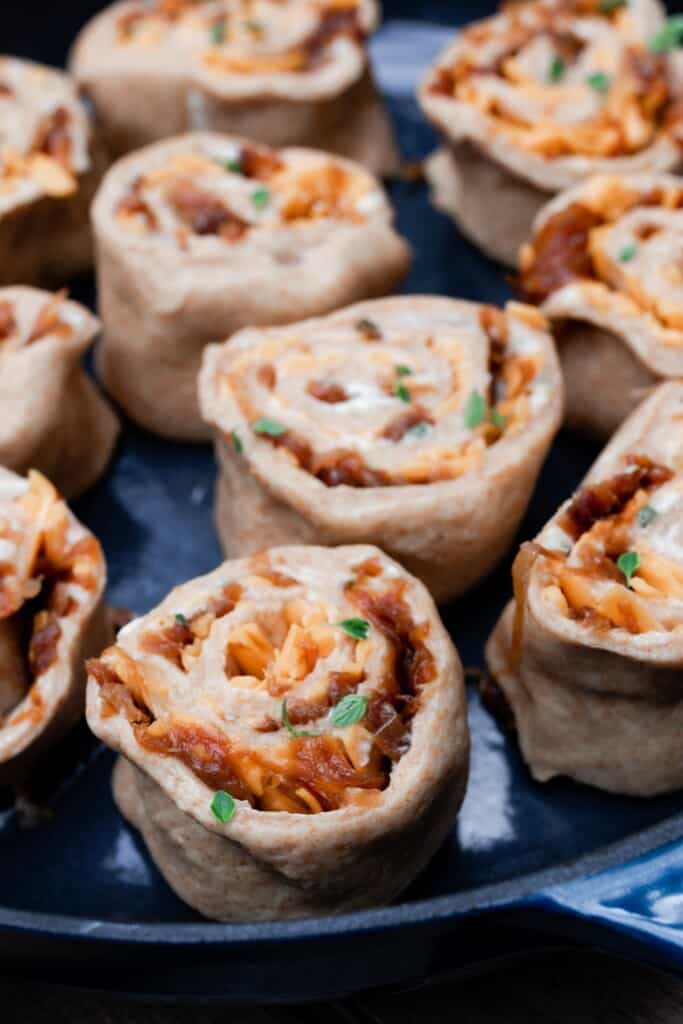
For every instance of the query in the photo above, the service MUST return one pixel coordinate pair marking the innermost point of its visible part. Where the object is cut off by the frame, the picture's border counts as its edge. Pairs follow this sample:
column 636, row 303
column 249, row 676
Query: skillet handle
column 634, row 909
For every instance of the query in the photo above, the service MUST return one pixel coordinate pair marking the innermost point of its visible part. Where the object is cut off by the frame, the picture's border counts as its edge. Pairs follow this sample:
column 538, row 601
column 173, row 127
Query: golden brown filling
column 239, row 38
column 343, row 759
column 49, row 159
column 567, row 248
column 37, row 577
column 419, row 408
column 540, row 61
column 208, row 195
column 48, row 322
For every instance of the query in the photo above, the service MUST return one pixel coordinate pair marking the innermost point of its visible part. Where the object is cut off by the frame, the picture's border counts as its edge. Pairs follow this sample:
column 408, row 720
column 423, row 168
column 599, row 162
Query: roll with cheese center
column 294, row 732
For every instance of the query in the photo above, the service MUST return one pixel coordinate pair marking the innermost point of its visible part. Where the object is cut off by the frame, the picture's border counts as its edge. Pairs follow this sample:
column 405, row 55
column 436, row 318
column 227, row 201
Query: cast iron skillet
column 526, row 865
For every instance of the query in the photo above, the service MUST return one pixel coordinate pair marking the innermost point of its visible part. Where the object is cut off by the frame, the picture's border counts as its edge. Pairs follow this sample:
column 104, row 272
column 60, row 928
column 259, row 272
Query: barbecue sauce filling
column 645, row 72
column 346, row 467
column 318, row 766
column 560, row 252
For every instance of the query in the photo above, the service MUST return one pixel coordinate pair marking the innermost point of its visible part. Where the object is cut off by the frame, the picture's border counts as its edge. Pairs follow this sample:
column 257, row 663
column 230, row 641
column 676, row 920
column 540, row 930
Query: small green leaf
column 607, row 6
column 646, row 515
column 556, row 69
column 233, row 165
column 475, row 410
column 419, row 430
column 401, row 391
column 295, row 733
column 498, row 420
column 237, row 442
column 349, row 710
column 669, row 36
column 270, row 427
column 223, row 807
column 368, row 327
column 627, row 563
column 217, row 33
column 627, row 253
column 403, row 371
column 599, row 81
column 260, row 198
column 181, row 619
column 357, row 628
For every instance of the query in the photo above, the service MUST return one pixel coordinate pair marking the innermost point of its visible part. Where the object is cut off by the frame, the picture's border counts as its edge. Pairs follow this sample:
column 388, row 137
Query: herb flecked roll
column 201, row 235
column 537, row 98
column 416, row 423
column 588, row 656
column 294, row 732
column 285, row 72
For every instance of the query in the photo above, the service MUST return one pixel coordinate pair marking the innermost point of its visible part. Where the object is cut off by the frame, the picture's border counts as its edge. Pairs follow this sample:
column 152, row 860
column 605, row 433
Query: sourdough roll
column 294, row 732
column 201, row 235
column 415, row 423
column 285, row 72
column 53, row 418
column 589, row 653
column 605, row 264
column 50, row 164
column 542, row 95
column 52, row 578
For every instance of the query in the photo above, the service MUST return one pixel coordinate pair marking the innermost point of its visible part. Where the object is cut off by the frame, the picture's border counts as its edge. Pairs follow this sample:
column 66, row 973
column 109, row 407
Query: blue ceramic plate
column 525, row 865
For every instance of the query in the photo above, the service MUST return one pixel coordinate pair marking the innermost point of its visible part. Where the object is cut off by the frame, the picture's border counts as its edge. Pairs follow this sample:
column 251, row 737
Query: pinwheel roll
column 201, row 235
column 606, row 266
column 285, row 72
column 52, row 577
column 416, row 423
column 295, row 732
column 53, row 419
column 537, row 98
column 49, row 169
column 589, row 654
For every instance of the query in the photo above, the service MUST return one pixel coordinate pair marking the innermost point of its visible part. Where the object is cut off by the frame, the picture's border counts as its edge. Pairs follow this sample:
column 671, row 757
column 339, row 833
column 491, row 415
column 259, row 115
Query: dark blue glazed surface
column 523, row 859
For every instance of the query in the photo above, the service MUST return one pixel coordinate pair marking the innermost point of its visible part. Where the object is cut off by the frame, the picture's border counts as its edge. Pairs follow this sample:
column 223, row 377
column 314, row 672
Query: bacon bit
column 347, row 468
column 205, row 213
column 267, row 724
column 340, row 684
column 258, row 162
column 54, row 139
column 115, row 695
column 206, row 754
column 370, row 568
column 260, row 565
column 442, row 83
column 8, row 324
column 48, row 321
column 134, row 206
column 599, row 501
column 327, row 391
column 42, row 650
column 6, row 90
column 560, row 253
column 266, row 376
column 397, row 429
column 169, row 642
column 321, row 764
column 300, row 712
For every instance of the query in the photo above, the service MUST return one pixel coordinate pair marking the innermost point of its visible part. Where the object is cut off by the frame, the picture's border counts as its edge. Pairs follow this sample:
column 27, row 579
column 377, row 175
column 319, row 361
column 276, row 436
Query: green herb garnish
column 222, row 806
column 498, row 420
column 403, row 371
column 401, row 391
column 357, row 628
column 607, row 6
column 295, row 733
column 233, row 165
column 217, row 33
column 599, row 81
column 646, row 514
column 260, row 198
column 627, row 563
column 556, row 69
column 475, row 410
column 179, row 617
column 368, row 327
column 270, row 427
column 627, row 253
column 669, row 36
column 349, row 710
column 237, row 442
